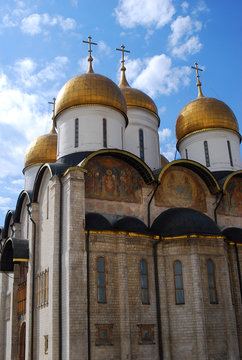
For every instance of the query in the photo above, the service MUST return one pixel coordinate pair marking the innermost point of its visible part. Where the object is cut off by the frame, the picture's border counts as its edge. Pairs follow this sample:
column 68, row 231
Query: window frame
column 98, row 286
column 212, row 290
column 147, row 279
column 141, row 145
column 206, row 152
column 175, row 285
column 105, row 135
column 76, row 133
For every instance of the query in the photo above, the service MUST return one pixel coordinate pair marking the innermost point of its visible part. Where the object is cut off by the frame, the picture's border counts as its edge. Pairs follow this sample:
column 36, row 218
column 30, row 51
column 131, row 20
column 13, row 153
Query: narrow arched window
column 101, row 283
column 230, row 153
column 178, row 283
column 22, row 336
column 186, row 154
column 141, row 144
column 212, row 283
column 144, row 282
column 105, row 133
column 76, row 132
column 206, row 153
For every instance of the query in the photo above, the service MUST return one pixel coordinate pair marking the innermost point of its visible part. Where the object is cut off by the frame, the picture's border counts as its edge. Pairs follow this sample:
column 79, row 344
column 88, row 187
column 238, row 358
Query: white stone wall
column 90, row 129
column 217, row 148
column 145, row 120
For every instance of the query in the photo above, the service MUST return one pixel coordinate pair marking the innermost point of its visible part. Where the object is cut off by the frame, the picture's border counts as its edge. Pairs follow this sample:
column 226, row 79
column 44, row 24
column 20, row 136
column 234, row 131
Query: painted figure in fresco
column 109, row 184
column 112, row 179
column 92, row 183
column 232, row 204
column 125, row 184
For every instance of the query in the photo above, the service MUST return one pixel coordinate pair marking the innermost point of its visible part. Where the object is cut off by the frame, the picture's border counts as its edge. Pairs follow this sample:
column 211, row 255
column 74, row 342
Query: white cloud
column 4, row 201
column 162, row 110
column 164, row 135
column 190, row 47
column 52, row 71
column 148, row 13
column 169, row 151
column 182, row 40
column 104, row 48
column 133, row 69
column 184, row 6
column 158, row 77
column 36, row 23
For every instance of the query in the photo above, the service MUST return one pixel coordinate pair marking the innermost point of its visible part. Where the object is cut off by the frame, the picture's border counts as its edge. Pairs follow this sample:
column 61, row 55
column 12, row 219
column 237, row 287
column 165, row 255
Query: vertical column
column 198, row 304
column 164, row 308
column 123, row 296
column 54, row 236
column 74, row 275
column 14, row 318
column 232, row 338
column 3, row 292
column 30, row 315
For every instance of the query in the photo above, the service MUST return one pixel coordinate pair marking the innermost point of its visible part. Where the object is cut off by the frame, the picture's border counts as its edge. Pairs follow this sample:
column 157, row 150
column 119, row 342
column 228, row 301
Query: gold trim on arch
column 126, row 154
column 238, row 172
column 20, row 260
column 197, row 165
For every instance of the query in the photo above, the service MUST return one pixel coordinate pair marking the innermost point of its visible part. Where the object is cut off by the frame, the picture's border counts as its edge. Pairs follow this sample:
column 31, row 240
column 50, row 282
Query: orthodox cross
column 200, row 94
column 53, row 103
column 197, row 69
column 90, row 52
column 123, row 51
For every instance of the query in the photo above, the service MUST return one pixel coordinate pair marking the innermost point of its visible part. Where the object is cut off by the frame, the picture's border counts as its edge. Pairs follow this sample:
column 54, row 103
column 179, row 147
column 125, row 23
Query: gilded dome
column 205, row 113
column 42, row 150
column 90, row 89
column 135, row 97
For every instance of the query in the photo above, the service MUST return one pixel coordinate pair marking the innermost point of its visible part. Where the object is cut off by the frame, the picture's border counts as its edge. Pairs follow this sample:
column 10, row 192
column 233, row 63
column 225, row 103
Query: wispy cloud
column 164, row 134
column 159, row 77
column 182, row 40
column 148, row 13
column 37, row 23
column 30, row 76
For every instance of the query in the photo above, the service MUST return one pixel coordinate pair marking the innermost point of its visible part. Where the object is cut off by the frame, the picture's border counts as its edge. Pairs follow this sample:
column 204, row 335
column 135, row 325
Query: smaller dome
column 184, row 221
column 42, row 150
column 205, row 113
column 95, row 221
column 135, row 97
column 131, row 224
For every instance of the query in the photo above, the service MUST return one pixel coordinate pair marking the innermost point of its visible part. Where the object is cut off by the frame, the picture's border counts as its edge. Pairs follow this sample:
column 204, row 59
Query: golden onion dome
column 90, row 89
column 42, row 150
column 135, row 97
column 204, row 113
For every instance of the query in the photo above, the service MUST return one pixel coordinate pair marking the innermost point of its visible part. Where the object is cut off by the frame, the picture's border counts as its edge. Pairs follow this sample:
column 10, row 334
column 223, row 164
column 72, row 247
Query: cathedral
column 114, row 253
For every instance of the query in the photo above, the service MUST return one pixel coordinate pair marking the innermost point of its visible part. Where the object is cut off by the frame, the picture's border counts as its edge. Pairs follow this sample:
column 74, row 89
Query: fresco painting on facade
column 232, row 201
column 112, row 179
column 180, row 189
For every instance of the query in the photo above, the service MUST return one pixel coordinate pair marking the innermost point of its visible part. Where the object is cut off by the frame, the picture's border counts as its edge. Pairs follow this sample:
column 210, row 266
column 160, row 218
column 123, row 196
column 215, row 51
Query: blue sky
column 41, row 48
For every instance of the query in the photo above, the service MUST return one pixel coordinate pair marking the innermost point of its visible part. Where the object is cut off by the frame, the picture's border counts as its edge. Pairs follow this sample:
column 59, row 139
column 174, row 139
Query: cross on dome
column 200, row 94
column 123, row 82
column 90, row 59
column 123, row 51
column 52, row 131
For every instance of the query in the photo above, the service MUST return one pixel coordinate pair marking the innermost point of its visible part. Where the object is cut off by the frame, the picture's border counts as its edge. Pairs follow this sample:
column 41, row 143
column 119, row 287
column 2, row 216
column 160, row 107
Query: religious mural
column 232, row 201
column 112, row 179
column 179, row 188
